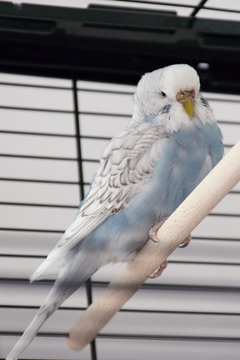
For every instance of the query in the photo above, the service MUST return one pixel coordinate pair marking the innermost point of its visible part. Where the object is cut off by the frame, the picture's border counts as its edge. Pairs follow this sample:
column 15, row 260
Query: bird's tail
column 44, row 312
column 68, row 281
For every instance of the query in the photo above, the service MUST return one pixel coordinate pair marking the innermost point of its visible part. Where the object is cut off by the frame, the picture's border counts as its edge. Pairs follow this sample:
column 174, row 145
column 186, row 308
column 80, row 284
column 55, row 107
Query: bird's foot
column 153, row 237
column 153, row 231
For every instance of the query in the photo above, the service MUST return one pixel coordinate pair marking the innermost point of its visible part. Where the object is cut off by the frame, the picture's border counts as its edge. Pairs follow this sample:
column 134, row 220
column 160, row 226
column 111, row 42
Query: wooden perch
column 171, row 234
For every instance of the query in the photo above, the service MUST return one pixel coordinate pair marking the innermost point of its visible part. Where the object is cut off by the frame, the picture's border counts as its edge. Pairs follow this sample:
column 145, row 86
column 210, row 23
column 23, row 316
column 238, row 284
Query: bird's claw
column 159, row 270
column 153, row 231
column 185, row 242
column 154, row 238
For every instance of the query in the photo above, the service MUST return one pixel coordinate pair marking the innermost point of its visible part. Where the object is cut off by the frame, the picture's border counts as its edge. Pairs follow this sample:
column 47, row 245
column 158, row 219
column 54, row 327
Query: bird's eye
column 163, row 94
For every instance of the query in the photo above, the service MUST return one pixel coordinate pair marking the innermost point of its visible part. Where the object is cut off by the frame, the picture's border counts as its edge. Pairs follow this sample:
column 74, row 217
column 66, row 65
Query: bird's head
column 170, row 97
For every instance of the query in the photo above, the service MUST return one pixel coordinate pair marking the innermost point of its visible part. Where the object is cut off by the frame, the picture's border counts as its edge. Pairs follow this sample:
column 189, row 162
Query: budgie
column 170, row 144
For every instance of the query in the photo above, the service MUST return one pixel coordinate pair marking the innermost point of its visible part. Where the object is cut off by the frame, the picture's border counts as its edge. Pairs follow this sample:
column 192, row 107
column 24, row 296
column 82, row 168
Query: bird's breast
column 177, row 172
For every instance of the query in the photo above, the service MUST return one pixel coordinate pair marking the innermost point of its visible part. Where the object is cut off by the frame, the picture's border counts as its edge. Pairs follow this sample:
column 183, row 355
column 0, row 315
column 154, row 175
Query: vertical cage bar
column 198, row 7
column 81, row 184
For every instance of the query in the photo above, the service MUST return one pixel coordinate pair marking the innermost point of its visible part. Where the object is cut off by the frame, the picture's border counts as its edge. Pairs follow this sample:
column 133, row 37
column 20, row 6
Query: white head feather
column 160, row 88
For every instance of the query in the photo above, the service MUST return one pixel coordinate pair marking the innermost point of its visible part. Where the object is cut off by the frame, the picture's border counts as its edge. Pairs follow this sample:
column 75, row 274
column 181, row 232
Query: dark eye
column 163, row 94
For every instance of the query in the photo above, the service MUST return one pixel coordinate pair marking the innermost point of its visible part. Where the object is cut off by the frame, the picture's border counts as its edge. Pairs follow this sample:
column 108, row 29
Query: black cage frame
column 116, row 44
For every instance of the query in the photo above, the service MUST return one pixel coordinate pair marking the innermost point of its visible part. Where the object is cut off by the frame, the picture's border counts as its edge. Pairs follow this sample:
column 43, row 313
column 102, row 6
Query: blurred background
column 67, row 78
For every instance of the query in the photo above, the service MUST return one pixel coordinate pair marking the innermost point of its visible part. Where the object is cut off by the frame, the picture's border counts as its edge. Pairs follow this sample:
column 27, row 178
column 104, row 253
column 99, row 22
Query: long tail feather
column 30, row 332
column 78, row 270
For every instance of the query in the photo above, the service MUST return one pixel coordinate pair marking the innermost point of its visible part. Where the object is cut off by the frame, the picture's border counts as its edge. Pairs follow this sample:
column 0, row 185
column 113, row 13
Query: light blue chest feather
column 176, row 175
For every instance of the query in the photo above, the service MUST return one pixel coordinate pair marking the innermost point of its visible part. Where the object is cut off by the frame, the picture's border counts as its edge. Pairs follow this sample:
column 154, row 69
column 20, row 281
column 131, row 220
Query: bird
column 170, row 144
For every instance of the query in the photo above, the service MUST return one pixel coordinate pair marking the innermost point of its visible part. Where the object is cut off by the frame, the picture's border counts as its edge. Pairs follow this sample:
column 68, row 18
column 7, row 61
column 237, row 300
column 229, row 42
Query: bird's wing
column 127, row 163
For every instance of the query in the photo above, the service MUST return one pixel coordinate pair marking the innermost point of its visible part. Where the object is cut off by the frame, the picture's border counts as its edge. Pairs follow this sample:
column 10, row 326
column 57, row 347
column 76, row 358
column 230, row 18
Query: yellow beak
column 188, row 106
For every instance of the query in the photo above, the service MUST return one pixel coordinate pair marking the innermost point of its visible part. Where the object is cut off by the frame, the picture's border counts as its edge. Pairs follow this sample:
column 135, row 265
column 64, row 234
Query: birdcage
column 66, row 85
